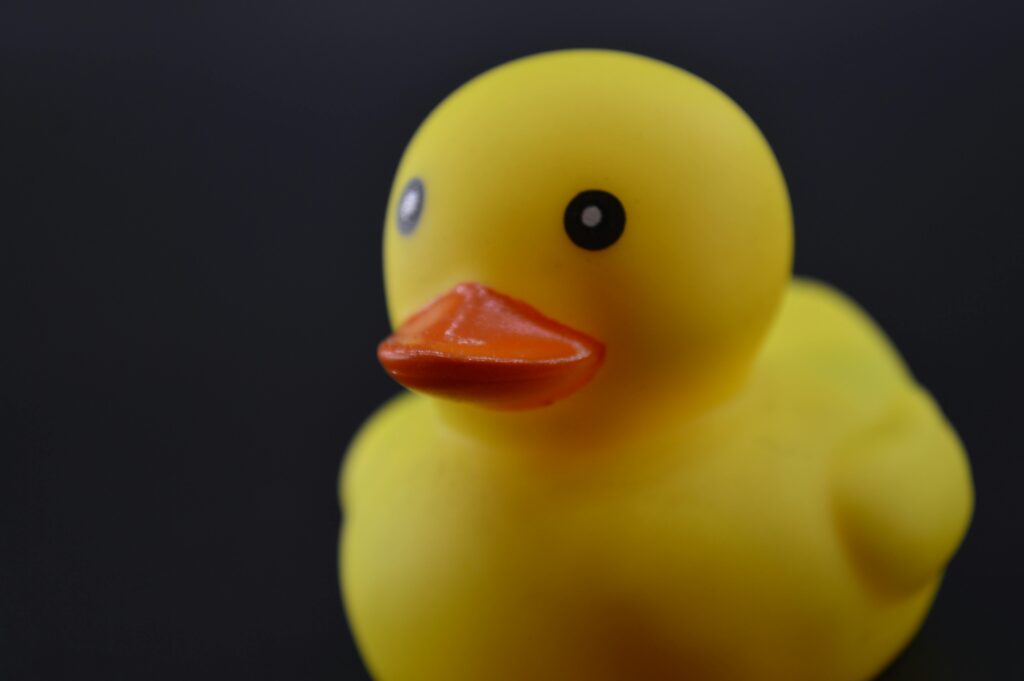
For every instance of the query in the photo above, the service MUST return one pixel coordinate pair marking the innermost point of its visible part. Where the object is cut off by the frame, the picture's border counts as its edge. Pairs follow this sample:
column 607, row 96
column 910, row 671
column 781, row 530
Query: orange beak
column 479, row 345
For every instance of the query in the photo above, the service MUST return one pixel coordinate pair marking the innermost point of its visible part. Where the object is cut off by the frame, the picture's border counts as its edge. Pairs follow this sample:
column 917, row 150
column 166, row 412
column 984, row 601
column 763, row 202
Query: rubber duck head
column 580, row 233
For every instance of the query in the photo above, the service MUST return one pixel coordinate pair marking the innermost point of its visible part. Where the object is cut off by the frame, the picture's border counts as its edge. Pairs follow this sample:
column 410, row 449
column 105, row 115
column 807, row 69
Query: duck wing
column 902, row 494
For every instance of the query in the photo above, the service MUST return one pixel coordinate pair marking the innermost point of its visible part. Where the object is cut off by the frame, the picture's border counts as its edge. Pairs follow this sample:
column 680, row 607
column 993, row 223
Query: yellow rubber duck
column 639, row 449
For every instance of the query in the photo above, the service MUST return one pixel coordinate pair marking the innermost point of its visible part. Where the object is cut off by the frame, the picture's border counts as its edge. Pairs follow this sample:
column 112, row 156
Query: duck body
column 797, row 530
column 637, row 448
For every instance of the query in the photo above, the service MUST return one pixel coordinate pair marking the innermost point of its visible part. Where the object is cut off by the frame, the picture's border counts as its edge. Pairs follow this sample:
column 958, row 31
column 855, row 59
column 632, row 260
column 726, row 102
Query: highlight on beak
column 478, row 345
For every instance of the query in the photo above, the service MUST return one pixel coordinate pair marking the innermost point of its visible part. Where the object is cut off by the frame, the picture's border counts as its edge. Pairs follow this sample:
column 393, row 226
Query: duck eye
column 594, row 219
column 410, row 206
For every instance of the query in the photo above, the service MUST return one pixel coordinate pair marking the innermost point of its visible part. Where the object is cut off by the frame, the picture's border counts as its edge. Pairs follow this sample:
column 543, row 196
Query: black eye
column 410, row 206
column 594, row 219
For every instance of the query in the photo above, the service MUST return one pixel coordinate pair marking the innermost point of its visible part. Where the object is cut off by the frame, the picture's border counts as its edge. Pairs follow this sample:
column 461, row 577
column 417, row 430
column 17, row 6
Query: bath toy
column 636, row 446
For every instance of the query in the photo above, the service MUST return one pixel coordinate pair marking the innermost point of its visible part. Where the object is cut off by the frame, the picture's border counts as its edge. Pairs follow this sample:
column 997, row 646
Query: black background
column 192, row 199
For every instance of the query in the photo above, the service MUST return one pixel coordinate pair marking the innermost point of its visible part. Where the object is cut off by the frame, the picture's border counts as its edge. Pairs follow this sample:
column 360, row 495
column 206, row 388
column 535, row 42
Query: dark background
column 190, row 216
